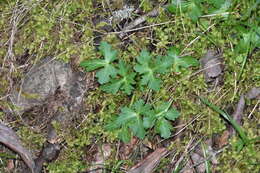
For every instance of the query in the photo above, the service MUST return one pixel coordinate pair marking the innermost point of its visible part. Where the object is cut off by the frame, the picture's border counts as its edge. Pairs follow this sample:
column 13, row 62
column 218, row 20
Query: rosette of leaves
column 130, row 121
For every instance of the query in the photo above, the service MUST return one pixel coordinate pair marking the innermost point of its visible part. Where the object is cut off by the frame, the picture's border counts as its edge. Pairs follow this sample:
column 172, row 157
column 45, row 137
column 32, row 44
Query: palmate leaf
column 163, row 64
column 144, row 68
column 177, row 5
column 126, row 115
column 163, row 127
column 105, row 74
column 181, row 62
column 124, row 135
column 150, row 68
column 141, row 107
column 220, row 7
column 124, row 83
column 149, row 121
column 132, row 118
column 191, row 7
column 194, row 10
column 136, row 119
column 112, row 125
column 107, row 52
column 106, row 69
column 164, row 109
column 163, row 113
column 138, row 128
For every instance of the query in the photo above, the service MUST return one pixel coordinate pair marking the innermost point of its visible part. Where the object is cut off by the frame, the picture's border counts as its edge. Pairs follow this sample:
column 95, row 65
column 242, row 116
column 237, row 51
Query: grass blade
column 235, row 125
column 207, row 163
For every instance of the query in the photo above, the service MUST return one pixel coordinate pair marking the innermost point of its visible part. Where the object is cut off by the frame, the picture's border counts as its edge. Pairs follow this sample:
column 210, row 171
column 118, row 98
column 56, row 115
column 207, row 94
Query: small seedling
column 181, row 62
column 248, row 42
column 115, row 75
column 191, row 7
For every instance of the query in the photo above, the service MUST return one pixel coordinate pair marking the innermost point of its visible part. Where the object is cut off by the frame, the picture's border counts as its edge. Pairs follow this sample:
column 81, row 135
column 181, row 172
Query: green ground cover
column 130, row 85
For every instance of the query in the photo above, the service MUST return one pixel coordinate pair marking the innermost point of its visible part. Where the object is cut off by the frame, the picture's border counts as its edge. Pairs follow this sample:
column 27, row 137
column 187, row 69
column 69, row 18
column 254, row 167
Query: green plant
column 181, row 62
column 205, row 154
column 106, row 69
column 119, row 76
column 115, row 76
column 194, row 8
column 149, row 68
column 250, row 39
column 124, row 82
column 244, row 140
column 65, row 30
column 141, row 116
column 160, row 118
column 131, row 118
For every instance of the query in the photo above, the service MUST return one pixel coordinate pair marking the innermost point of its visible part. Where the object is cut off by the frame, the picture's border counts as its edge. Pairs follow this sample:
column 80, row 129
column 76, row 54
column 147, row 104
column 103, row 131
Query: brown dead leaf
column 238, row 113
column 100, row 157
column 50, row 152
column 221, row 140
column 196, row 163
column 253, row 93
column 10, row 165
column 127, row 149
column 150, row 162
column 212, row 65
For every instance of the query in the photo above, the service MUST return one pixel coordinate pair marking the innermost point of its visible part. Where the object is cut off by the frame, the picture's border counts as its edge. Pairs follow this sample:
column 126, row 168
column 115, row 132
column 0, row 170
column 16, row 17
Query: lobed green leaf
column 125, row 82
column 181, row 62
column 108, row 71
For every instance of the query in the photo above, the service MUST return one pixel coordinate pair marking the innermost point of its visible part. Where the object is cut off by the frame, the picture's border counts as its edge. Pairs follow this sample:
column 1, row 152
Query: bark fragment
column 9, row 138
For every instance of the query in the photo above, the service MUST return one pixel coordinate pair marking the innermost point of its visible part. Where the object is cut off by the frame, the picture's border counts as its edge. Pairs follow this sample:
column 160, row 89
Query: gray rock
column 53, row 84
column 43, row 80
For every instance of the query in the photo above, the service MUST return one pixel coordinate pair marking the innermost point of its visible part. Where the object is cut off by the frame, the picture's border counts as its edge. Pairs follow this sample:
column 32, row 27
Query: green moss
column 70, row 161
column 31, row 138
column 246, row 160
